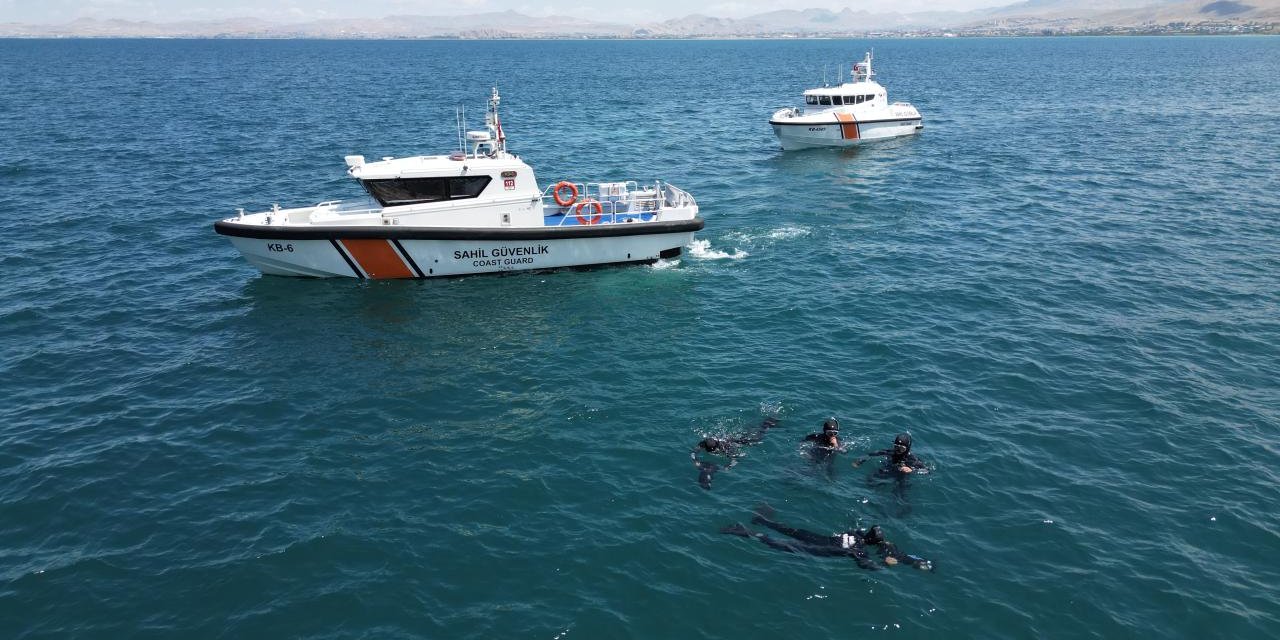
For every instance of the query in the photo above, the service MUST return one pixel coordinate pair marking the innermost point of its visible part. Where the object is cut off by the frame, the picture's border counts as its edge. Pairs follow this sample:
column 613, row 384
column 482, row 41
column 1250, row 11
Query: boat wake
column 787, row 233
column 702, row 250
column 781, row 233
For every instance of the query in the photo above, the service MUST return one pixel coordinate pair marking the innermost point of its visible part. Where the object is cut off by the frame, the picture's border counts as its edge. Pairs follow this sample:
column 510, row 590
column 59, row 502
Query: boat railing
column 617, row 202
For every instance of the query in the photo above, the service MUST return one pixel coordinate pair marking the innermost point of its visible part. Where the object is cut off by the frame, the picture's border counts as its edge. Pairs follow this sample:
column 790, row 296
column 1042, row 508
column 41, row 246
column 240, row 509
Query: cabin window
column 400, row 191
column 850, row 100
column 811, row 99
column 824, row 100
column 837, row 100
column 870, row 98
column 467, row 187
column 859, row 99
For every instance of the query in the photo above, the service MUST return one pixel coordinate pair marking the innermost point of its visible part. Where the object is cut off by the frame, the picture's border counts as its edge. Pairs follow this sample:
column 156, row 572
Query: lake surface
column 1067, row 289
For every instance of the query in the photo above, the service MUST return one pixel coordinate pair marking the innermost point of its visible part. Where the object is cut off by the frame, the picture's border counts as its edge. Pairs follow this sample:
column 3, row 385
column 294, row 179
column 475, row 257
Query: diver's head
column 873, row 535
column 902, row 444
column 709, row 444
column 831, row 426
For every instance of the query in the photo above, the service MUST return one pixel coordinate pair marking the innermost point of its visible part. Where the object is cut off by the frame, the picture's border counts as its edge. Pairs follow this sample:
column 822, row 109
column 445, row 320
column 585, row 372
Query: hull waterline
column 809, row 135
column 391, row 253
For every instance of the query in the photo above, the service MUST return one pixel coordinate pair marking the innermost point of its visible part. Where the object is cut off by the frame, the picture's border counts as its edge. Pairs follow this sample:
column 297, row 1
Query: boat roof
column 488, row 155
column 435, row 166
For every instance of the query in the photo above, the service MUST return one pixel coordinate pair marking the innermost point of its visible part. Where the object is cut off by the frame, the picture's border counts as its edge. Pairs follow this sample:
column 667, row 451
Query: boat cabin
column 843, row 95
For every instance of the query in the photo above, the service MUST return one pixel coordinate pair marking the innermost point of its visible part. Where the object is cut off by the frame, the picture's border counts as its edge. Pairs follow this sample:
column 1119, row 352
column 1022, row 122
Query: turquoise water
column 1066, row 289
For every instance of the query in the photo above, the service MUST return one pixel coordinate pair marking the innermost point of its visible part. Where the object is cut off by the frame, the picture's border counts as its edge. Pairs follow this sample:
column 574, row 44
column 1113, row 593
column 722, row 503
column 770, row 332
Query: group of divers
column 868, row 547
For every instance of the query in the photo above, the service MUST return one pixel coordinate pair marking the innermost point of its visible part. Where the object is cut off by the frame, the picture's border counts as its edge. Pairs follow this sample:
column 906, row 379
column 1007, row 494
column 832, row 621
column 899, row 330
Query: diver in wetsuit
column 900, row 459
column 730, row 448
column 825, row 444
column 853, row 543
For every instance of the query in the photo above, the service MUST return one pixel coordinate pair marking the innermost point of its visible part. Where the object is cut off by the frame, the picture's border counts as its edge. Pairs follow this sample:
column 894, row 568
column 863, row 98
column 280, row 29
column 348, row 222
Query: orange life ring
column 573, row 191
column 593, row 219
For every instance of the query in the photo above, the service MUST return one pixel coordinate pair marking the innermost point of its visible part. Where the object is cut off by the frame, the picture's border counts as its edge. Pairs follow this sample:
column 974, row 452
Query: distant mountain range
column 1029, row 17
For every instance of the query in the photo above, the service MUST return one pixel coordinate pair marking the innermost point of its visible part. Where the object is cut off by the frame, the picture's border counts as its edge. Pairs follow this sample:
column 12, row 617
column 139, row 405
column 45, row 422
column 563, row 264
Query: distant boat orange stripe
column 848, row 126
column 377, row 258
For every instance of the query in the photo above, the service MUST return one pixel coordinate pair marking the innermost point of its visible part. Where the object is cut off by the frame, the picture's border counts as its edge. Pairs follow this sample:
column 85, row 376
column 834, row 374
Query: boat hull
column 798, row 134
column 381, row 253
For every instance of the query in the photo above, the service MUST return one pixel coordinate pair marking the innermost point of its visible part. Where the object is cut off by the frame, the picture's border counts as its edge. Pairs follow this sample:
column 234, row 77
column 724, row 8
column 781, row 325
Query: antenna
column 457, row 120
column 494, row 123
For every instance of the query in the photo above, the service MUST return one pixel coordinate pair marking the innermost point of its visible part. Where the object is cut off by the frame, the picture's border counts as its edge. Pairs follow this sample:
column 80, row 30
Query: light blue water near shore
column 1066, row 288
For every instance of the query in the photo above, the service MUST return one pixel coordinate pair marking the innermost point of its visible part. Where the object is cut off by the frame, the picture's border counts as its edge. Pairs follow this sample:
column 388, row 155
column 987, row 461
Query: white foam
column 665, row 264
column 787, row 233
column 783, row 233
column 702, row 250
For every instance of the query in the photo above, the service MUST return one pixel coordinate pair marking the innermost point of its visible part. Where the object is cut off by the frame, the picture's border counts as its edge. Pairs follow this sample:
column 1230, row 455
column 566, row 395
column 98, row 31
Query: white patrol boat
column 845, row 115
column 470, row 212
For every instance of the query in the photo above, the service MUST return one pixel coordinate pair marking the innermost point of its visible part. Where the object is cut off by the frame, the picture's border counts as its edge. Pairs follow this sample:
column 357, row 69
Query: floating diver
column 900, row 459
column 853, row 543
column 826, row 444
column 899, row 465
column 730, row 448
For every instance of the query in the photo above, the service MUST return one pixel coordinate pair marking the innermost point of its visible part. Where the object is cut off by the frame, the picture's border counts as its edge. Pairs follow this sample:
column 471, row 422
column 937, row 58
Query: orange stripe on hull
column 377, row 258
column 848, row 126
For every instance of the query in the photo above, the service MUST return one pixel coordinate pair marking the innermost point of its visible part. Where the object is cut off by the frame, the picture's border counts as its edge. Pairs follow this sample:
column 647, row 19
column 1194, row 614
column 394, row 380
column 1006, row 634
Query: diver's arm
column 914, row 465
column 891, row 555
column 860, row 557
column 870, row 455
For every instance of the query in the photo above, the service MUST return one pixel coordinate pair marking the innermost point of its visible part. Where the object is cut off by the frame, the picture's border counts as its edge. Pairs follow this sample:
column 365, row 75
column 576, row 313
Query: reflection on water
column 410, row 323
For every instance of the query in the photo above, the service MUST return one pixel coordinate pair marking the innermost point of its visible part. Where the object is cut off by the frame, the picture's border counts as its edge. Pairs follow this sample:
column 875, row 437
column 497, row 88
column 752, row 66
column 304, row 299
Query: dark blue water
column 1067, row 289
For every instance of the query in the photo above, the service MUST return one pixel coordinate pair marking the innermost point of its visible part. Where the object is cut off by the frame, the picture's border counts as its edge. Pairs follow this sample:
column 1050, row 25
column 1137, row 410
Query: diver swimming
column 728, row 447
column 826, row 444
column 852, row 543
column 900, row 460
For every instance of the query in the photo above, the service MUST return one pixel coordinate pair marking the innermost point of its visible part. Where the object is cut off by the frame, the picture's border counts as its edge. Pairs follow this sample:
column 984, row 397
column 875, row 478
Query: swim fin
column 764, row 511
column 705, row 471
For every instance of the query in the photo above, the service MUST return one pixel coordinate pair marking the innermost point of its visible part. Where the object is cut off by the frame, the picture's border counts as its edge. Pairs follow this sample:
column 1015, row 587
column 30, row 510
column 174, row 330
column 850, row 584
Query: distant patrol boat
column 466, row 213
column 845, row 115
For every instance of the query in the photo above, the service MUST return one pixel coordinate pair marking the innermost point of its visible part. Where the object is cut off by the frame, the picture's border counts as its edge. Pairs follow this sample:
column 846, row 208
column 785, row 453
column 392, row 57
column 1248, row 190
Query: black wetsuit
column 851, row 545
column 823, row 451
column 731, row 448
column 895, row 461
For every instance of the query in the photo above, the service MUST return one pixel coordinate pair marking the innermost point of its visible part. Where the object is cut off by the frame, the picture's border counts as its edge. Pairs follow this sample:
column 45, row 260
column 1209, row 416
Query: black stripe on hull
column 514, row 272
column 260, row 232
column 408, row 258
column 346, row 258
column 836, row 122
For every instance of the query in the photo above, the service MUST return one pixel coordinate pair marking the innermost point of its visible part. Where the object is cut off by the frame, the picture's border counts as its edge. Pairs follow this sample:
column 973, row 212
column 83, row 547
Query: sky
column 62, row 11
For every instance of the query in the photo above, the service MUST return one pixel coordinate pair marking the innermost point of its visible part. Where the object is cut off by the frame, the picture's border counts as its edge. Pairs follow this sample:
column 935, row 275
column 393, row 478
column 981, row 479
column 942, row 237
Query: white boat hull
column 799, row 134
column 341, row 253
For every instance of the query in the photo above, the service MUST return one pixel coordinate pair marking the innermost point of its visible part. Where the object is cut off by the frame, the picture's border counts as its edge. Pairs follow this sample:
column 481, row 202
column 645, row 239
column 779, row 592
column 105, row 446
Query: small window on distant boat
column 870, row 98
column 811, row 99
column 859, row 100
column 837, row 100
column 824, row 100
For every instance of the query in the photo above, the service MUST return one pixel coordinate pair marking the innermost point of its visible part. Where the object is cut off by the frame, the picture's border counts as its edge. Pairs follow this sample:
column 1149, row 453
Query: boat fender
column 590, row 219
column 573, row 193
